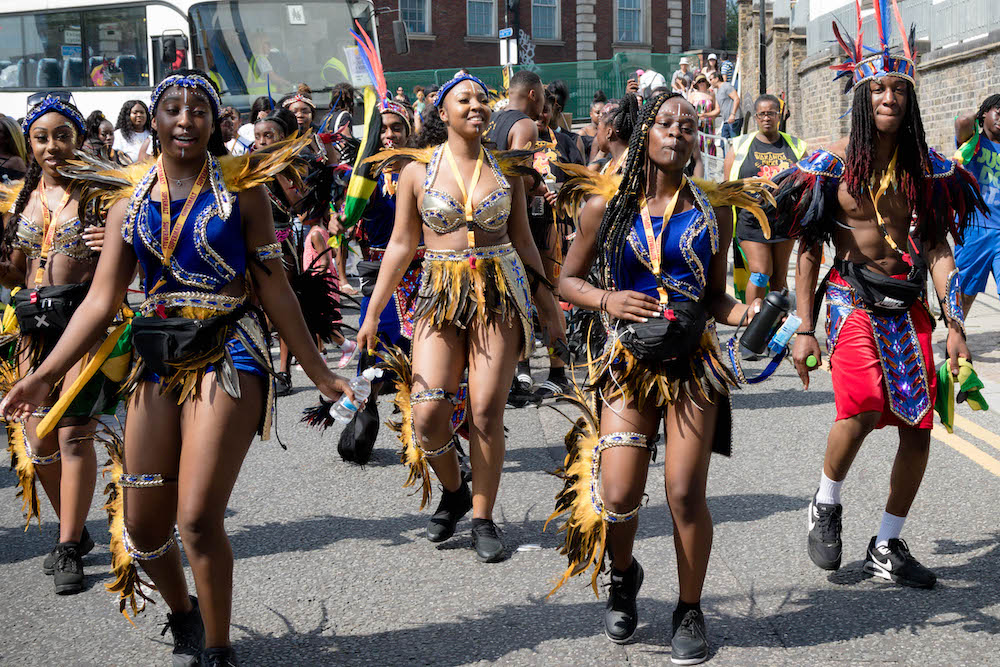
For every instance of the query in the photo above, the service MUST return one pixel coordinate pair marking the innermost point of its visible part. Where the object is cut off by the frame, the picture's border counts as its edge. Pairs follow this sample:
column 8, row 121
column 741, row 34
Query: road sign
column 508, row 52
column 506, row 33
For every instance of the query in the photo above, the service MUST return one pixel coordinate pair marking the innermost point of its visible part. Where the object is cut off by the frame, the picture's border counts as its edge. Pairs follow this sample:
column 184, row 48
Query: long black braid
column 31, row 179
column 619, row 216
column 912, row 161
column 991, row 102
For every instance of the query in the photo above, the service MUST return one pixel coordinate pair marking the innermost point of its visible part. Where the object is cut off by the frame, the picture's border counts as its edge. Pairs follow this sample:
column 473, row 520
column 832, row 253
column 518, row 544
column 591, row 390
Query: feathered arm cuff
column 751, row 194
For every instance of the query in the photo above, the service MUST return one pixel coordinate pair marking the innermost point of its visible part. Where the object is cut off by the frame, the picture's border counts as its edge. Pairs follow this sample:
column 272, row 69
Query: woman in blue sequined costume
column 188, row 428
column 473, row 309
column 46, row 251
column 654, row 207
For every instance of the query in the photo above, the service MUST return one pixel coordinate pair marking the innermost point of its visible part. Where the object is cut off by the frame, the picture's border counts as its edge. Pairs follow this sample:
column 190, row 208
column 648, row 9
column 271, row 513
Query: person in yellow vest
column 763, row 154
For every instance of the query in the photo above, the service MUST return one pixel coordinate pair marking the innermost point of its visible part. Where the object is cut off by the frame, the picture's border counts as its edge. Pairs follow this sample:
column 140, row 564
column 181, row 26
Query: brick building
column 463, row 33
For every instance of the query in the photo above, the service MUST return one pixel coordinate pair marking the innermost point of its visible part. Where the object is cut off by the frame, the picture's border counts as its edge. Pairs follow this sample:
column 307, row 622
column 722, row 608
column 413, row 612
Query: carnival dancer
column 201, row 388
column 614, row 129
column 302, row 106
column 660, row 248
column 395, row 322
column 978, row 136
column 51, row 246
column 886, row 203
column 473, row 308
column 764, row 154
column 515, row 127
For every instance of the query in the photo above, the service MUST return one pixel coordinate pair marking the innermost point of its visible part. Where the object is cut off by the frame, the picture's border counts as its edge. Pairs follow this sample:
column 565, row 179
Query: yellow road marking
column 977, row 431
column 967, row 449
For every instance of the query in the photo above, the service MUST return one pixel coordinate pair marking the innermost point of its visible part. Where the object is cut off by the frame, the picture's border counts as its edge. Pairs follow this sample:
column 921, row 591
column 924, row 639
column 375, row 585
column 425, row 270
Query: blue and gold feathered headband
column 187, row 81
column 59, row 106
column 459, row 78
column 881, row 62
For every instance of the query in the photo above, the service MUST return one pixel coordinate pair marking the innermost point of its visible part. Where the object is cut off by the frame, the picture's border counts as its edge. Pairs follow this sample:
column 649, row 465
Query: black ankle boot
column 453, row 506
column 622, row 614
column 188, row 632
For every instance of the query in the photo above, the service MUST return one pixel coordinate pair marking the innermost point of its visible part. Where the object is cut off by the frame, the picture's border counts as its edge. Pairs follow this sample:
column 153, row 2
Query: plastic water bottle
column 344, row 409
column 784, row 334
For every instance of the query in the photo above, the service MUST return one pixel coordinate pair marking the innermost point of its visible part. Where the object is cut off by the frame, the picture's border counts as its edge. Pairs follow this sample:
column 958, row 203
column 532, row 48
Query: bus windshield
column 254, row 48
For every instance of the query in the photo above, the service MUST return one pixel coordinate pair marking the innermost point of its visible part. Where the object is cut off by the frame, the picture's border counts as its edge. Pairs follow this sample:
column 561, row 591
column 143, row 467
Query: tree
column 732, row 38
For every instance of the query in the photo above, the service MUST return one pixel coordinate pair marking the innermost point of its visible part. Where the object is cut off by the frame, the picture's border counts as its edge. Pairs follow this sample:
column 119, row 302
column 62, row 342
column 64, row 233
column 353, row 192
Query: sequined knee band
column 434, row 453
column 622, row 439
column 428, row 395
column 34, row 458
column 144, row 555
column 132, row 481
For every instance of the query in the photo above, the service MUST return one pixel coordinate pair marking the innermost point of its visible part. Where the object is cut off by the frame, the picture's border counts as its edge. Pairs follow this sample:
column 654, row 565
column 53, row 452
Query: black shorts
column 748, row 229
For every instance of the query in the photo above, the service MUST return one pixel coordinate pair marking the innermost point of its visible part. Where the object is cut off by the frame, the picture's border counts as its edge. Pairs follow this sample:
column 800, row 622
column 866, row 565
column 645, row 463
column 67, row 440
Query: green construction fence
column 584, row 77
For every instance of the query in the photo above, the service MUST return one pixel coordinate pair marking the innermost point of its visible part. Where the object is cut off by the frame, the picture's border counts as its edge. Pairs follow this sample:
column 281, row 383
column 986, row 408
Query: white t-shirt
column 246, row 133
column 238, row 146
column 130, row 147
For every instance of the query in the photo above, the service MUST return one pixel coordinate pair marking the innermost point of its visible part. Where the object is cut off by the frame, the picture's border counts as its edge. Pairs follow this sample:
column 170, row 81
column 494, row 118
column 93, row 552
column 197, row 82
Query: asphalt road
column 332, row 566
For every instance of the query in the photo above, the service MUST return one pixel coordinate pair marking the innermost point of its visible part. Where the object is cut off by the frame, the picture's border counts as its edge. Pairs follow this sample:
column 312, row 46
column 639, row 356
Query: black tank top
column 498, row 131
column 765, row 160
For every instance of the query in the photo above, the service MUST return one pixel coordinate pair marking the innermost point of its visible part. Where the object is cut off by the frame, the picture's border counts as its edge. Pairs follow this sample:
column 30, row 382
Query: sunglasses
column 61, row 95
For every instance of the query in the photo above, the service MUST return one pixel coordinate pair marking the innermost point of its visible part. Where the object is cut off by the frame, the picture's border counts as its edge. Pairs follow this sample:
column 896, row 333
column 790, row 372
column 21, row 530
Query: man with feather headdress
column 886, row 202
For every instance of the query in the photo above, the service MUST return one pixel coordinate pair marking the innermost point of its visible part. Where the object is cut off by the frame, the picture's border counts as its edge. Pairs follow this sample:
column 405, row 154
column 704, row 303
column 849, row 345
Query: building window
column 480, row 18
column 416, row 15
column 699, row 23
column 630, row 20
column 545, row 19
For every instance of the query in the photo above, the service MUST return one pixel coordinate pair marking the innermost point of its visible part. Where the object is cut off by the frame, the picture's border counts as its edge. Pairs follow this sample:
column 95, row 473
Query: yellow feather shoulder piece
column 9, row 195
column 252, row 169
column 583, row 184
column 746, row 193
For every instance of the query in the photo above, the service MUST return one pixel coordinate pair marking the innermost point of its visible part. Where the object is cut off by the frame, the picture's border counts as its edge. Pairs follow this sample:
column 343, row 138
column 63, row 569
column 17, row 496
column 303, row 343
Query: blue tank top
column 688, row 244
column 985, row 166
column 211, row 251
column 380, row 214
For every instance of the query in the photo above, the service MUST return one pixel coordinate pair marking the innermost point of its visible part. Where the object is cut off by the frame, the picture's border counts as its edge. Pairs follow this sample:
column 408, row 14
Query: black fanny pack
column 882, row 294
column 368, row 274
column 167, row 343
column 48, row 309
column 663, row 339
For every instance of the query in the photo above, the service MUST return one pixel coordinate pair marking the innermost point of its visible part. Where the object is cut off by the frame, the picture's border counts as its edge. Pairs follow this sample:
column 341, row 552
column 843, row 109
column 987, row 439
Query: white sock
column 890, row 529
column 346, row 345
column 829, row 491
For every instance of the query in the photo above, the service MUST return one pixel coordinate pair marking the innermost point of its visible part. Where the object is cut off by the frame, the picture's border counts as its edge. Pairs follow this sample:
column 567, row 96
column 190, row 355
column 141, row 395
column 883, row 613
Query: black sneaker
column 689, row 645
column 67, row 571
column 86, row 545
column 486, row 542
column 283, row 384
column 894, row 562
column 621, row 615
column 825, row 546
column 550, row 389
column 220, row 657
column 453, row 506
column 520, row 393
column 188, row 632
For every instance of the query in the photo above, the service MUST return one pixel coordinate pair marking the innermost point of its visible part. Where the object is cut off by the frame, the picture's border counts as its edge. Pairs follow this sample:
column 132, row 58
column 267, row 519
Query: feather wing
column 745, row 193
column 9, row 195
column 285, row 157
column 582, row 184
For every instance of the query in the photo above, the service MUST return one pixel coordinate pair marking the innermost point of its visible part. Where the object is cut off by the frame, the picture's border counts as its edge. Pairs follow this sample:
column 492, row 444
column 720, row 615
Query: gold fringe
column 23, row 466
column 585, row 530
column 127, row 582
column 395, row 360
column 745, row 193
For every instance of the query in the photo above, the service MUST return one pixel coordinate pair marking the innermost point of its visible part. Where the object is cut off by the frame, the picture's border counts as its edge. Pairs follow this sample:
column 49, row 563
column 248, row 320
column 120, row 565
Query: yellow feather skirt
column 486, row 284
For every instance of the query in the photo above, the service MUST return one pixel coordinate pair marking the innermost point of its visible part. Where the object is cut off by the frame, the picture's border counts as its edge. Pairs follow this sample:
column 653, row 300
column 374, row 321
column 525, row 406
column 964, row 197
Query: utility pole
column 762, row 67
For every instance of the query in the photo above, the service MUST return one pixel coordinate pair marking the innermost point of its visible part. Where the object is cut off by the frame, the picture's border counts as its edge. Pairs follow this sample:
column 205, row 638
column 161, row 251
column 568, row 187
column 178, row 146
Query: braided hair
column 912, row 161
column 619, row 216
column 990, row 103
column 125, row 121
column 216, row 144
column 93, row 126
column 31, row 179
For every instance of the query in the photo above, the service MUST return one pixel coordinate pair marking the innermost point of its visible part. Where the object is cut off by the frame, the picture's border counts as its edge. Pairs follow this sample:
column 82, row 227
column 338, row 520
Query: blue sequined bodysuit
column 210, row 253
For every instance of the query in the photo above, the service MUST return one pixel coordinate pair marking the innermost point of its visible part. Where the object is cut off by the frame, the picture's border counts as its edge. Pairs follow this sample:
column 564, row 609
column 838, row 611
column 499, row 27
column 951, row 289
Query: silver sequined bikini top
column 444, row 214
column 68, row 239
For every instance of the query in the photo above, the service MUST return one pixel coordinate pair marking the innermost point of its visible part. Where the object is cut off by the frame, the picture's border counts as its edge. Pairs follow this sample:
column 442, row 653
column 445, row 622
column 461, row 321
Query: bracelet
column 811, row 333
column 604, row 302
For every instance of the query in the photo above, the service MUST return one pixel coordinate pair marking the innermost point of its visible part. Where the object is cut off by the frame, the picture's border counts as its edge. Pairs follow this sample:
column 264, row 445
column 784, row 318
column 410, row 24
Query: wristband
column 811, row 333
column 604, row 302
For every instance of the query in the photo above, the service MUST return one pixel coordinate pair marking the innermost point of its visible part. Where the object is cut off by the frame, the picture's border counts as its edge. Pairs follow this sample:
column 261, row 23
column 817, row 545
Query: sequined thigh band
column 426, row 396
column 143, row 481
column 34, row 458
column 622, row 439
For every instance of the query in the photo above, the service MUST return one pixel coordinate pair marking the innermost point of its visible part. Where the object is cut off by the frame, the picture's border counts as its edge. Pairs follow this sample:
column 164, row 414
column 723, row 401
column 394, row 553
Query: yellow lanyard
column 888, row 179
column 171, row 234
column 48, row 229
column 654, row 242
column 467, row 194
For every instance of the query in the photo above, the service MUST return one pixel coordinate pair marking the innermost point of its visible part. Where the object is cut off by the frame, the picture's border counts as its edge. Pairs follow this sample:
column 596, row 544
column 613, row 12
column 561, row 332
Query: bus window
column 74, row 49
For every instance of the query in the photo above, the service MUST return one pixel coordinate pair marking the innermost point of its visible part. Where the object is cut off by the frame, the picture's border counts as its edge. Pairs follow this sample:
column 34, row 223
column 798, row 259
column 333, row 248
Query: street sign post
column 506, row 33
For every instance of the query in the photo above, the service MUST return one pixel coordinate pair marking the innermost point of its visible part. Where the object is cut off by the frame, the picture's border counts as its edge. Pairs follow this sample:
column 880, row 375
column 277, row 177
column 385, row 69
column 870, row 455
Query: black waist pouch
column 368, row 274
column 882, row 294
column 167, row 344
column 48, row 310
column 663, row 339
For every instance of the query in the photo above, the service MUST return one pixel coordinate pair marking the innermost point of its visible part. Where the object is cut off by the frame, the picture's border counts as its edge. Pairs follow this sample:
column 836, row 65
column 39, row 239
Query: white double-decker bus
column 109, row 51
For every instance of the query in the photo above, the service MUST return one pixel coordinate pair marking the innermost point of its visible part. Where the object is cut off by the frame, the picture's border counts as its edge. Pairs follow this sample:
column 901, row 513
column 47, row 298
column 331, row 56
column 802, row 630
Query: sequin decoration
column 903, row 367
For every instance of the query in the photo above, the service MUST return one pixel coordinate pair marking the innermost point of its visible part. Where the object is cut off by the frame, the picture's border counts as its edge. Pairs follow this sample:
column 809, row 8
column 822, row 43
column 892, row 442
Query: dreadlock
column 125, row 121
column 31, row 179
column 991, row 102
column 912, row 163
column 620, row 213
